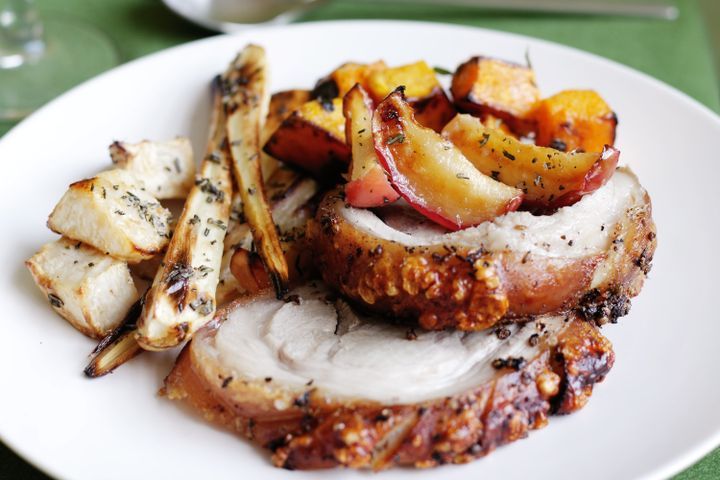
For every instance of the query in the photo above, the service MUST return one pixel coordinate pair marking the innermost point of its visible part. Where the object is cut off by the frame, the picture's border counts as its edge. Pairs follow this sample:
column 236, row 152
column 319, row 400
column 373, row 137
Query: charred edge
column 177, row 281
column 93, row 369
column 128, row 324
column 277, row 282
column 324, row 92
column 602, row 308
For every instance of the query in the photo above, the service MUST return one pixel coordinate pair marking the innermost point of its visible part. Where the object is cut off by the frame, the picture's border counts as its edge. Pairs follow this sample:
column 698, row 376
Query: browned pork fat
column 590, row 257
column 322, row 386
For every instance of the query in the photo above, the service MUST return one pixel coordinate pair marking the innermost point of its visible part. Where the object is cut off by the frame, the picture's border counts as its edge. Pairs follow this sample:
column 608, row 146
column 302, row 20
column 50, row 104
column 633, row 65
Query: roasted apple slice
column 487, row 86
column 575, row 119
column 368, row 185
column 548, row 177
column 432, row 174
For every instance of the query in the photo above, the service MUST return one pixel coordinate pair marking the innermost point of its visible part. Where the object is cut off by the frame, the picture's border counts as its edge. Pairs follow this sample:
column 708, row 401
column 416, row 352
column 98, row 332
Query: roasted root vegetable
column 166, row 168
column 548, row 177
column 91, row 290
column 575, row 119
column 487, row 86
column 290, row 194
column 367, row 185
column 246, row 103
column 248, row 270
column 313, row 138
column 114, row 213
column 117, row 347
column 432, row 174
column 432, row 107
column 182, row 296
column 282, row 104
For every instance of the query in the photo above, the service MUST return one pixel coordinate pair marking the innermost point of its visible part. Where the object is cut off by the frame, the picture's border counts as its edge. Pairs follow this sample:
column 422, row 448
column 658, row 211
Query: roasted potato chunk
column 114, row 213
column 166, row 168
column 313, row 138
column 91, row 290
column 575, row 120
column 433, row 108
column 487, row 86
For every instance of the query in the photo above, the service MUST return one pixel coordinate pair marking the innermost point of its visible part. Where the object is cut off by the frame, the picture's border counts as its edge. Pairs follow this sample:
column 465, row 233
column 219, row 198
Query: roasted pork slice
column 322, row 385
column 591, row 256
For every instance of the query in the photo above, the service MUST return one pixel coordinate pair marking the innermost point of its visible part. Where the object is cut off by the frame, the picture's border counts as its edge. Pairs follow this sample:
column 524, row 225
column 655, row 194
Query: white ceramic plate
column 656, row 413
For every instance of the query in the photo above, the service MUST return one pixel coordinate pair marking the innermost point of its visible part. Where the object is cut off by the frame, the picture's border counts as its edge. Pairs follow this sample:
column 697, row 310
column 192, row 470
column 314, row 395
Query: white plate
column 656, row 413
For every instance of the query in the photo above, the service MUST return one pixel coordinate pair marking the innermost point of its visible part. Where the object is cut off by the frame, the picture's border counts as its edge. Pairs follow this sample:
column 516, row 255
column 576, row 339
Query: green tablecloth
column 675, row 52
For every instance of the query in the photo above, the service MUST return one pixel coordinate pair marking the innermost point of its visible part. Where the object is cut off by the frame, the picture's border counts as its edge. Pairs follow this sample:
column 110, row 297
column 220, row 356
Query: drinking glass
column 41, row 58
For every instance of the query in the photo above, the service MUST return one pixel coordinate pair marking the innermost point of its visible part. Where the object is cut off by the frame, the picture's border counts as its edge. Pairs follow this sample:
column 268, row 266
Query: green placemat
column 675, row 52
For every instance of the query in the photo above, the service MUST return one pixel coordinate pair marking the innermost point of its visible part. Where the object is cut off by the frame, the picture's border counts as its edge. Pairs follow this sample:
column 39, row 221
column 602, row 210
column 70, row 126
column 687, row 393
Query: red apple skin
column 596, row 177
column 368, row 185
column 370, row 190
column 481, row 197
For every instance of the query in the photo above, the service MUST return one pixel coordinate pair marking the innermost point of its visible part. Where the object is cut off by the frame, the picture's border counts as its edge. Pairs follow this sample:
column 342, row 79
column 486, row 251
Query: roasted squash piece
column 313, row 138
column 282, row 104
column 348, row 74
column 433, row 108
column 575, row 119
column 487, row 86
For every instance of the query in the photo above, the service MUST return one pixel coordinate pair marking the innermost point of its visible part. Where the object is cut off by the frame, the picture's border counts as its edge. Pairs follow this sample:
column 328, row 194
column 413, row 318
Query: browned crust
column 320, row 432
column 456, row 287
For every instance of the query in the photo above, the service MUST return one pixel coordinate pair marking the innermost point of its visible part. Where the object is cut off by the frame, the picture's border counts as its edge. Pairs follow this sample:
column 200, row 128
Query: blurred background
column 683, row 52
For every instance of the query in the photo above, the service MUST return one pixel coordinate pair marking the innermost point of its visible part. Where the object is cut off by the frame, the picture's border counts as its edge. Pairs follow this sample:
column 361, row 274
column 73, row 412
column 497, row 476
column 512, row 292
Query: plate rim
column 693, row 453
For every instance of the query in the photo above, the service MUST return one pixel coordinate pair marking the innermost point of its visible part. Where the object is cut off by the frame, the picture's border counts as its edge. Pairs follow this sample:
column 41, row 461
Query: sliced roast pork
column 590, row 257
column 321, row 385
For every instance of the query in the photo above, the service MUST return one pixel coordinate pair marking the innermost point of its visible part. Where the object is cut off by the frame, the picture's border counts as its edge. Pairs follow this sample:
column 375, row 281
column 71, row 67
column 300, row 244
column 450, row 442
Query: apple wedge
column 548, row 177
column 368, row 185
column 433, row 175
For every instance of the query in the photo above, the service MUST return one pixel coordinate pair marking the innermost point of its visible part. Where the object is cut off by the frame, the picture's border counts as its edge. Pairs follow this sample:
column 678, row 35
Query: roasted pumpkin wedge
column 313, row 138
column 433, row 175
column 548, row 177
column 575, row 119
column 433, row 108
column 348, row 74
column 487, row 86
column 367, row 185
column 282, row 104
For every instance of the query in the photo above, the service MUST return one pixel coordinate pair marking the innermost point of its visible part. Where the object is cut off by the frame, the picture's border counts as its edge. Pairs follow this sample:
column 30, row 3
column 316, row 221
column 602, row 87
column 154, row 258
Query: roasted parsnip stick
column 246, row 100
column 182, row 296
column 117, row 347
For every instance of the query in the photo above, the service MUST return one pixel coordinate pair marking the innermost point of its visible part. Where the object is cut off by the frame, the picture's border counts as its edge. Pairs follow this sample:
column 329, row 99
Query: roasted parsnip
column 182, row 296
column 290, row 194
column 118, row 347
column 246, row 98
